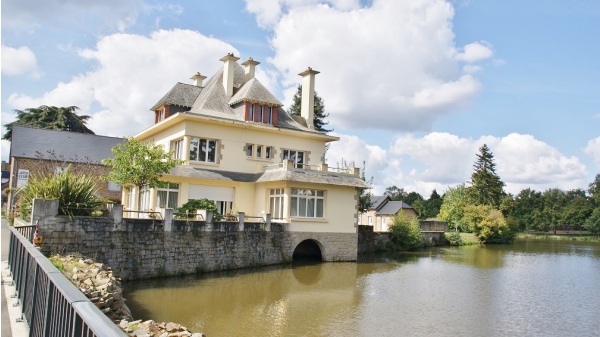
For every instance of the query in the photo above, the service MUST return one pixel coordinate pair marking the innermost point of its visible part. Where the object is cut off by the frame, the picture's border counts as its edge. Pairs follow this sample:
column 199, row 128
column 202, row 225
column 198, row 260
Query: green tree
column 488, row 224
column 50, row 117
column 525, row 208
column 139, row 164
column 405, row 232
column 487, row 188
column 432, row 205
column 453, row 207
column 416, row 201
column 319, row 112
column 395, row 193
column 594, row 191
column 551, row 213
column 592, row 223
column 576, row 208
column 364, row 195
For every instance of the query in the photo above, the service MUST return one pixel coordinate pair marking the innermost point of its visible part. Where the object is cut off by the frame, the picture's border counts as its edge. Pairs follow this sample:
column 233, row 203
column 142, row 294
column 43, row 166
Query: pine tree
column 50, row 117
column 319, row 114
column 486, row 188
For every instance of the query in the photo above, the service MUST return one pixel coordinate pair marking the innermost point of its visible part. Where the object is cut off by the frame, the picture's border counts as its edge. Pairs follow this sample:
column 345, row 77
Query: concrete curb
column 13, row 306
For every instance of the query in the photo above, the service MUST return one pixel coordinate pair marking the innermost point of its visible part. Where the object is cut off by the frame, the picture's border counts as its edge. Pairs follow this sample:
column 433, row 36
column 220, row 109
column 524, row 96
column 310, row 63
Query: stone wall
column 147, row 248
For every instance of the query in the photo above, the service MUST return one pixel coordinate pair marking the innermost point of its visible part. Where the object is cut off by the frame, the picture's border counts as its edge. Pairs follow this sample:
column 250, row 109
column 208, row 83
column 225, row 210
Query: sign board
column 23, row 177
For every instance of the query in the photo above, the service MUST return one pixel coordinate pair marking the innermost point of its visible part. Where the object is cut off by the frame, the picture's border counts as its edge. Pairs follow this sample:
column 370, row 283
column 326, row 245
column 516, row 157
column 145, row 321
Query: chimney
column 228, row 70
column 307, row 107
column 198, row 79
column 250, row 66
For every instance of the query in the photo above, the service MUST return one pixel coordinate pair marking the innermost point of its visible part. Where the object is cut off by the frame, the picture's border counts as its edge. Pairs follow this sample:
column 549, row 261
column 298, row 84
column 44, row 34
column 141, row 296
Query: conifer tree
column 319, row 113
column 486, row 188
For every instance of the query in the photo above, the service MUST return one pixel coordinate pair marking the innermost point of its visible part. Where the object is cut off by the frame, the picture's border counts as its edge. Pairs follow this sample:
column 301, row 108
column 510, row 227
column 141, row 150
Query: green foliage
column 488, row 224
column 453, row 206
column 76, row 193
column 592, row 223
column 319, row 112
column 487, row 188
column 432, row 205
column 405, row 232
column 453, row 239
column 364, row 195
column 50, row 117
column 594, row 191
column 189, row 209
column 139, row 164
column 395, row 193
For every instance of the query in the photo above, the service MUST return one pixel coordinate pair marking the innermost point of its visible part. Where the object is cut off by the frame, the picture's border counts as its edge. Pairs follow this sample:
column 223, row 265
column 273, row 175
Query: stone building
column 382, row 212
column 39, row 151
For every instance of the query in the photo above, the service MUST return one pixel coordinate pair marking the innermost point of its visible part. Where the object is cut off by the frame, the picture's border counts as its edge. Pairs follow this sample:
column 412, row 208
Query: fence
column 50, row 303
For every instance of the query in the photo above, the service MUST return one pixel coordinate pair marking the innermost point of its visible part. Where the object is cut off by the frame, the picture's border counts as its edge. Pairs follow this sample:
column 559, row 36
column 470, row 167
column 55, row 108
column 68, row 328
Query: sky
column 413, row 88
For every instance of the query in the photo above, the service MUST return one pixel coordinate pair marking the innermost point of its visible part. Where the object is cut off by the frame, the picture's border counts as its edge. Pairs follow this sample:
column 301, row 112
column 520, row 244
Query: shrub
column 76, row 193
column 488, row 224
column 453, row 238
column 405, row 232
column 189, row 209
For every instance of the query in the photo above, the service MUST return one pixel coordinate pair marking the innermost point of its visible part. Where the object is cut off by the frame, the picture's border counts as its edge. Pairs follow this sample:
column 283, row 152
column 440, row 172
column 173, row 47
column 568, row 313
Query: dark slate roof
column 316, row 177
column 378, row 200
column 392, row 207
column 61, row 145
column 181, row 94
column 253, row 90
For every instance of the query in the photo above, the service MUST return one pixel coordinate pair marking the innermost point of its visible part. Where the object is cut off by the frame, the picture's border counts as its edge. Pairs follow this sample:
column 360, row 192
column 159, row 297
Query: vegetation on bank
column 586, row 236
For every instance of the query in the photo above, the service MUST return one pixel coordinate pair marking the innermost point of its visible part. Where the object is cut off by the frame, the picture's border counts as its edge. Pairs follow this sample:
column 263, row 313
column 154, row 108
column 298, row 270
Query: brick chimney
column 307, row 107
column 228, row 68
column 198, row 79
column 250, row 66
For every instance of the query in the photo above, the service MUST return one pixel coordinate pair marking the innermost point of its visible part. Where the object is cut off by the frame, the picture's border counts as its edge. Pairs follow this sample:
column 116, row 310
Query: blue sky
column 413, row 88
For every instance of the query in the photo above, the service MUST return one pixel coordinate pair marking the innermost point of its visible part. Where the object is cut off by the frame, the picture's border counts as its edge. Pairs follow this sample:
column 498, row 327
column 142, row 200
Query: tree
column 139, row 164
column 432, row 205
column 594, row 191
column 364, row 195
column 50, row 117
column 488, row 224
column 453, row 207
column 405, row 232
column 525, row 208
column 550, row 215
column 395, row 193
column 487, row 188
column 319, row 113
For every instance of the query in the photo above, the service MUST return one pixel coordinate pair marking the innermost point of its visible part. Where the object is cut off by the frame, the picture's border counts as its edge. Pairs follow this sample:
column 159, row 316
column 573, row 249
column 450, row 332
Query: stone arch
column 308, row 249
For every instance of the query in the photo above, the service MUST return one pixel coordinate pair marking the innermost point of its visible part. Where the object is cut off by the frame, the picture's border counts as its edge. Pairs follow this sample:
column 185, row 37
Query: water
column 529, row 288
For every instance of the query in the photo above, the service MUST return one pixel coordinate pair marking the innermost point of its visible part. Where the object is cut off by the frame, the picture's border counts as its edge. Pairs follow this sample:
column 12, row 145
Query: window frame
column 296, row 152
column 276, row 203
column 300, row 203
column 199, row 150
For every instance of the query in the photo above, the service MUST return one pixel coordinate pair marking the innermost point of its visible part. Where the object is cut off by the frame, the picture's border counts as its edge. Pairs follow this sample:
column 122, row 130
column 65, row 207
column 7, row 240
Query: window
column 260, row 114
column 276, row 203
column 168, row 194
column 177, row 149
column 203, row 150
column 370, row 221
column 269, row 115
column 307, row 203
column 262, row 151
column 144, row 198
column 297, row 157
column 251, row 113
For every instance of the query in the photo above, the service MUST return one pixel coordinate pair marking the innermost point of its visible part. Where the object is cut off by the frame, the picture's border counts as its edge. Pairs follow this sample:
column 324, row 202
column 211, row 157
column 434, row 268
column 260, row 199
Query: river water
column 529, row 288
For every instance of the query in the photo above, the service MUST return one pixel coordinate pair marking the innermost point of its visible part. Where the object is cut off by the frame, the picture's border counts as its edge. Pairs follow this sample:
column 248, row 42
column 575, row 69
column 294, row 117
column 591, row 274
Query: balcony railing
column 289, row 164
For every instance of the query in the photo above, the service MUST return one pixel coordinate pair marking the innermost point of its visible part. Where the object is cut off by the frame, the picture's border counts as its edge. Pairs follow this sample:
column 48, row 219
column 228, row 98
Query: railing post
column 42, row 209
column 241, row 217
column 209, row 221
column 168, row 220
column 268, row 222
column 116, row 212
column 324, row 167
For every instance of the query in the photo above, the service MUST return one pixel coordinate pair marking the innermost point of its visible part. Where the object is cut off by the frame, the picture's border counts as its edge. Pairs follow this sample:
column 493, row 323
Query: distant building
column 40, row 151
column 382, row 212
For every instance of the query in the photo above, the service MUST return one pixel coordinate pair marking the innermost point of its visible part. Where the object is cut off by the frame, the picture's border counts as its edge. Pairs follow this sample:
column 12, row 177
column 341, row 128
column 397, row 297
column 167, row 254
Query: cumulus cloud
column 18, row 61
column 132, row 73
column 400, row 74
column 438, row 160
column 593, row 149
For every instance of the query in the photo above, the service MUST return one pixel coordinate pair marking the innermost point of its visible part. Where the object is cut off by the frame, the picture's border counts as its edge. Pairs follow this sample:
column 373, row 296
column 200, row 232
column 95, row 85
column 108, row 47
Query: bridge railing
column 50, row 303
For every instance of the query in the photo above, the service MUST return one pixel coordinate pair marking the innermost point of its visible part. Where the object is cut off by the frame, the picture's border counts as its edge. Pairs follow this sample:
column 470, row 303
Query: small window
column 259, row 149
column 268, row 152
column 260, row 114
column 251, row 113
column 249, row 150
column 269, row 115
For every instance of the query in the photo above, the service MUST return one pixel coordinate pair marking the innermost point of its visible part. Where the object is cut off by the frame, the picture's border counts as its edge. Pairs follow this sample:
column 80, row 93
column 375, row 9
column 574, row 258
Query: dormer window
column 259, row 113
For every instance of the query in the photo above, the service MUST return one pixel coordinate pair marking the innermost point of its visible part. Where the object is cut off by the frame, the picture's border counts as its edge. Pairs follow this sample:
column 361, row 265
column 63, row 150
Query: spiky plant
column 75, row 192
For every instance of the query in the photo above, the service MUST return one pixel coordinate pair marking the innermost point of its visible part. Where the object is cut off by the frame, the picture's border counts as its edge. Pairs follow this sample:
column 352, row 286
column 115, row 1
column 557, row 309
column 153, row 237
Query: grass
column 560, row 236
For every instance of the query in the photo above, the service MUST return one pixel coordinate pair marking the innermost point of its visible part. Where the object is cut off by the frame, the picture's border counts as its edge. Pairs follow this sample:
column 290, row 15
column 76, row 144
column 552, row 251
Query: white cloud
column 399, row 74
column 475, row 51
column 18, row 61
column 132, row 73
column 593, row 149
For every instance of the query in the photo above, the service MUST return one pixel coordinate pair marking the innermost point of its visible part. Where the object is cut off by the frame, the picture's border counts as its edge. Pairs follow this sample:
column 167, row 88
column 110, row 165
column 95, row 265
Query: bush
column 189, row 209
column 76, row 193
column 453, row 238
column 405, row 232
column 488, row 224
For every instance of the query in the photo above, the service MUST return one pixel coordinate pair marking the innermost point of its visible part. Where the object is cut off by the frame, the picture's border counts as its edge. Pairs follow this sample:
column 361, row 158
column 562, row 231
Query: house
column 382, row 211
column 243, row 151
column 40, row 151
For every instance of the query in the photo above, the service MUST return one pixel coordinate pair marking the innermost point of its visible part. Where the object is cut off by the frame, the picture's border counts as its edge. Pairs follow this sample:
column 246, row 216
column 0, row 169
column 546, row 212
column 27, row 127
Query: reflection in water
column 497, row 290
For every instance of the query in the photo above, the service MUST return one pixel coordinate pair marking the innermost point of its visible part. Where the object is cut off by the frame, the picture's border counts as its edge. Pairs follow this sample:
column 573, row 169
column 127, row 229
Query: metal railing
column 50, row 303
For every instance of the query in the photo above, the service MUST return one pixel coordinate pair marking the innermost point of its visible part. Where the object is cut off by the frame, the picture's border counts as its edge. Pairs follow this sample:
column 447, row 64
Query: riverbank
column 571, row 236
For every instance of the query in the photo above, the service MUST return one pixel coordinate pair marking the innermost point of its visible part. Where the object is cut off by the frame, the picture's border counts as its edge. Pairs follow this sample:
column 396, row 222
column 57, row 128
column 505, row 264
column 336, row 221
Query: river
column 528, row 288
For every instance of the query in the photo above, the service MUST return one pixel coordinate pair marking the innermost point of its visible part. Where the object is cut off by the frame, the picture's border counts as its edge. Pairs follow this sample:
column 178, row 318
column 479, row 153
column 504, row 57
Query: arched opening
column 307, row 250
